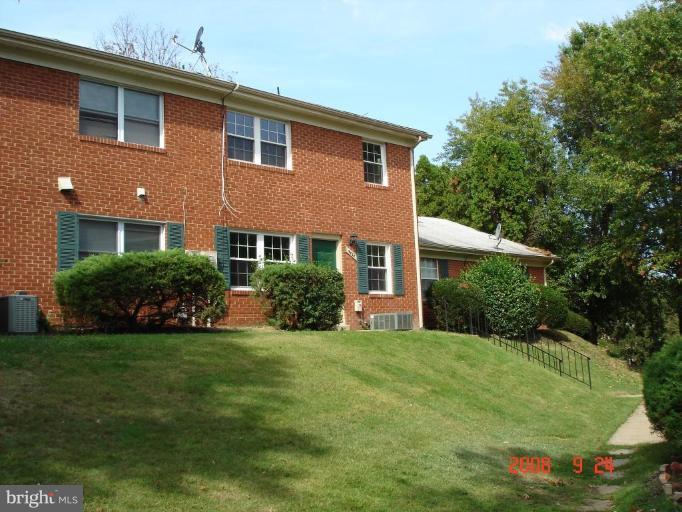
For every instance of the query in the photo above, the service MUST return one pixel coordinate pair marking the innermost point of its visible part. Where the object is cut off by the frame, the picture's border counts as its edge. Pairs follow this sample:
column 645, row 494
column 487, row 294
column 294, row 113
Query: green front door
column 324, row 252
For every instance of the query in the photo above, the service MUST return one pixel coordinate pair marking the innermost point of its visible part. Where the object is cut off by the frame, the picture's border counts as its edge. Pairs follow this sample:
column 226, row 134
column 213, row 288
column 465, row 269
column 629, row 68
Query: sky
column 414, row 63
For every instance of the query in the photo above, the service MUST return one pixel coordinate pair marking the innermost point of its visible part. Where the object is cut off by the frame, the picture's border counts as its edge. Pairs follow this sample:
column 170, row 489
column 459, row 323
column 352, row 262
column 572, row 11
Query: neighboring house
column 161, row 158
column 447, row 248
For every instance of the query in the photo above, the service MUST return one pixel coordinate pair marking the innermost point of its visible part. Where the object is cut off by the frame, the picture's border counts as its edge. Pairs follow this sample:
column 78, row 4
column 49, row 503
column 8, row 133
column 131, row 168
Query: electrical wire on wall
column 224, row 201
column 184, row 209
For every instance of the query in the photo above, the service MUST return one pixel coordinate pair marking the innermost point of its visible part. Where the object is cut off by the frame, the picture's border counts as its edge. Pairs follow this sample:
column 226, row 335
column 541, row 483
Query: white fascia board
column 124, row 71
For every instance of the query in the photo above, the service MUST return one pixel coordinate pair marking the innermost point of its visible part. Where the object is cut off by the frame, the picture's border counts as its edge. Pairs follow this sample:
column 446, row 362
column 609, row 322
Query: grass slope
column 271, row 421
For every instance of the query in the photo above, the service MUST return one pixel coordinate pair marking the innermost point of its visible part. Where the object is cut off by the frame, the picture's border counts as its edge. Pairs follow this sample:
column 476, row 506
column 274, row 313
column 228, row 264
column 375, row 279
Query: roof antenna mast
column 197, row 49
column 498, row 234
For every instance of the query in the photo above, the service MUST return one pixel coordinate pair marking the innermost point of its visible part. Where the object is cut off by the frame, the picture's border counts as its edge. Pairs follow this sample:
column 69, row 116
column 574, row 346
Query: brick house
column 102, row 153
column 447, row 248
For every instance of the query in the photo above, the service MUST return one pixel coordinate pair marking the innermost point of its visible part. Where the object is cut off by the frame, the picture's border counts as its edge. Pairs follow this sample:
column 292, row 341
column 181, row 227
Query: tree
column 151, row 44
column 616, row 101
column 499, row 165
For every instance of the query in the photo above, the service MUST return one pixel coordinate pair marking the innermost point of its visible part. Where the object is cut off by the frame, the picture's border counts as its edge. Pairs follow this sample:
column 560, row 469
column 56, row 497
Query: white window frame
column 120, row 229
column 428, row 279
column 384, row 167
column 257, row 140
column 389, row 269
column 120, row 111
column 260, row 251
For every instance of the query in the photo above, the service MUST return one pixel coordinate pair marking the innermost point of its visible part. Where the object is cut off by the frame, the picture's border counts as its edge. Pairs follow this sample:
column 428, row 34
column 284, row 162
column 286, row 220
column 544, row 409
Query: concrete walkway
column 636, row 430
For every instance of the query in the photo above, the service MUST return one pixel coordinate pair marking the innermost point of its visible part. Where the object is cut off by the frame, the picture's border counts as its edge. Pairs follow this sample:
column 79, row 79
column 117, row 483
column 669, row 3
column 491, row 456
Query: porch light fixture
column 353, row 239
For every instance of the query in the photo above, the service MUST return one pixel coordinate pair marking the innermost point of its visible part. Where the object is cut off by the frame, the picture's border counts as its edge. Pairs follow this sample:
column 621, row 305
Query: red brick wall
column 537, row 274
column 324, row 194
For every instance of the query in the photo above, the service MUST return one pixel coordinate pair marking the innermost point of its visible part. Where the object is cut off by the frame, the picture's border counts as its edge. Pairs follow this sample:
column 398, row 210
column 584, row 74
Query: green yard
column 271, row 421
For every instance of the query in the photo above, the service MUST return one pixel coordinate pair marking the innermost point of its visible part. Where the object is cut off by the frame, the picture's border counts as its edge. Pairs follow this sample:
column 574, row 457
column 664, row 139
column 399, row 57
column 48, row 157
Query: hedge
column 141, row 289
column 453, row 303
column 663, row 389
column 552, row 307
column 510, row 301
column 578, row 324
column 300, row 296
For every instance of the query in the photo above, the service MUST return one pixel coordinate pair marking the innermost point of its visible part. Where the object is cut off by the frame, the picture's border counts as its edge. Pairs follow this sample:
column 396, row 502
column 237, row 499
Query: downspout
column 420, row 308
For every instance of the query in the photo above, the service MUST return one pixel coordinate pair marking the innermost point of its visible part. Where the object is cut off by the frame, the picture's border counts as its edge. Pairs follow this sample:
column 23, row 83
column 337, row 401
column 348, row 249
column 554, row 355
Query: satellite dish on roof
column 198, row 45
column 498, row 233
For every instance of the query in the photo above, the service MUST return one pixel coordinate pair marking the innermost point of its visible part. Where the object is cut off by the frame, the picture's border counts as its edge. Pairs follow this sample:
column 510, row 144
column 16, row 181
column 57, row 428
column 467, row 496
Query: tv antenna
column 198, row 48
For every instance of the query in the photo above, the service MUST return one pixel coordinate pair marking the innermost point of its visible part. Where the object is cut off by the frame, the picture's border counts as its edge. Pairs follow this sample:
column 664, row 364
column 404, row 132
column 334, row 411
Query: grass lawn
column 271, row 421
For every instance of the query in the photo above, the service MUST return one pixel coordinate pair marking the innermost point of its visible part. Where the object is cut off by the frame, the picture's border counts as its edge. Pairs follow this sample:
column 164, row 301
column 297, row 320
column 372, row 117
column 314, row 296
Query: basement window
column 249, row 251
column 104, row 236
column 258, row 140
column 122, row 114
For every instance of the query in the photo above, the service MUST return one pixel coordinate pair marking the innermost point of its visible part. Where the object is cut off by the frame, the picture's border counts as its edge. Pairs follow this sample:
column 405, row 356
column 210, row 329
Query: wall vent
column 391, row 321
column 19, row 314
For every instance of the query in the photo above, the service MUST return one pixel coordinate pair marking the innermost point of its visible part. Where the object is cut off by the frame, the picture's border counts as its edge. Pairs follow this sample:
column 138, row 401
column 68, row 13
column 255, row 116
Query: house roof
column 445, row 235
column 96, row 63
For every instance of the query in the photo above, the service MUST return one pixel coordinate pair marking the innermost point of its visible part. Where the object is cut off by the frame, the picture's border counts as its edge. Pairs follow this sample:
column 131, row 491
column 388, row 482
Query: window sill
column 381, row 295
column 129, row 145
column 262, row 167
column 377, row 186
column 237, row 292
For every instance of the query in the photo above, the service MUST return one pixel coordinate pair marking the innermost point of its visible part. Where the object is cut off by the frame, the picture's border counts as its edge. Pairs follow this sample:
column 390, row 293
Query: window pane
column 98, row 125
column 371, row 154
column 374, row 173
column 273, row 131
column 98, row 97
column 243, row 245
column 426, row 286
column 272, row 154
column 276, row 248
column 376, row 256
column 141, row 132
column 377, row 279
column 141, row 237
column 141, row 105
column 429, row 268
column 240, row 149
column 241, row 271
column 96, row 236
column 240, row 124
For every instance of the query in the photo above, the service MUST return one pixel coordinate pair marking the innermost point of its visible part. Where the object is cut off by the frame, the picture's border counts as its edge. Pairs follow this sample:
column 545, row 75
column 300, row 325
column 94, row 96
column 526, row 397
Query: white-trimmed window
column 379, row 268
column 374, row 158
column 122, row 114
column 248, row 251
column 258, row 140
column 428, row 268
column 97, row 236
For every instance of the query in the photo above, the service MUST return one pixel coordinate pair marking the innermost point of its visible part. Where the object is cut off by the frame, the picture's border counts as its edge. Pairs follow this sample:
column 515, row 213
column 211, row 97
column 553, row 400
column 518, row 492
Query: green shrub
column 552, row 307
column 141, row 289
column 578, row 324
column 453, row 303
column 300, row 296
column 663, row 389
column 509, row 299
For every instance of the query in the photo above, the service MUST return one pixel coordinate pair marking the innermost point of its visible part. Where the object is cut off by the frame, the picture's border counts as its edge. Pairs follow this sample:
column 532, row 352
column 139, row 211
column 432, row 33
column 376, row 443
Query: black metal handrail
column 553, row 355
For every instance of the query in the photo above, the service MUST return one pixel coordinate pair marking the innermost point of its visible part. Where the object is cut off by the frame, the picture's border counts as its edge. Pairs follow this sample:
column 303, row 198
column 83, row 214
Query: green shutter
column 175, row 236
column 67, row 240
column 363, row 280
column 398, row 273
column 222, row 247
column 442, row 269
column 303, row 248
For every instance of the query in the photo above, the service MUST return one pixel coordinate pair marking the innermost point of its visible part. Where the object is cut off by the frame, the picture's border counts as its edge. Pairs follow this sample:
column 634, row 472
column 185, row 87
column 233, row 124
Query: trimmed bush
column 552, row 307
column 510, row 301
column 663, row 389
column 578, row 324
column 453, row 302
column 141, row 289
column 300, row 296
